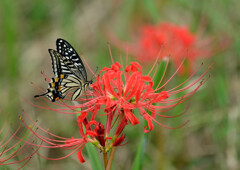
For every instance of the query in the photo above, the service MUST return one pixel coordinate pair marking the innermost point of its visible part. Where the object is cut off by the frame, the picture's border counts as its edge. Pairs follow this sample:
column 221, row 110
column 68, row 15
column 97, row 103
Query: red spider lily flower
column 130, row 90
column 90, row 131
column 12, row 151
column 172, row 40
column 127, row 92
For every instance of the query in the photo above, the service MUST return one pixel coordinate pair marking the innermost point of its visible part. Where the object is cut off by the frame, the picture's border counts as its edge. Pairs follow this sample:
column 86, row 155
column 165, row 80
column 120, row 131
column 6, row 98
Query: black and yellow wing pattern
column 70, row 73
column 65, row 49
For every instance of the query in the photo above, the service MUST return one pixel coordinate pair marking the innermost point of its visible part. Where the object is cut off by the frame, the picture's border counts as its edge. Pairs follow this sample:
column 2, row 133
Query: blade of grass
column 138, row 162
column 93, row 156
column 9, row 31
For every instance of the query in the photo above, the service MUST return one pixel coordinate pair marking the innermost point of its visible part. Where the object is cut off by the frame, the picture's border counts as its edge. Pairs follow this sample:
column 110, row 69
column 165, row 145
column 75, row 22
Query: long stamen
column 159, row 53
column 110, row 51
column 88, row 66
column 165, row 59
column 46, row 77
column 37, row 87
column 170, row 77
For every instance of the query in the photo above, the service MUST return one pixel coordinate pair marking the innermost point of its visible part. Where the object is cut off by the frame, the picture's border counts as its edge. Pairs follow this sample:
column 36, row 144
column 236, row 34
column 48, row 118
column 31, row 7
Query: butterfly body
column 70, row 73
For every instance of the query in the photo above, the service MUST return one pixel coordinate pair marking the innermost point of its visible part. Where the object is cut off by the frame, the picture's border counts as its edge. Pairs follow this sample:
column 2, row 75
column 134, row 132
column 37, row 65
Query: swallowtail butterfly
column 70, row 73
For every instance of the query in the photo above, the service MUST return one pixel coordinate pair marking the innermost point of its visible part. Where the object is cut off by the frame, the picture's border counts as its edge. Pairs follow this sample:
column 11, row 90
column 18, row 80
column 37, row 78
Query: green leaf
column 138, row 162
column 93, row 156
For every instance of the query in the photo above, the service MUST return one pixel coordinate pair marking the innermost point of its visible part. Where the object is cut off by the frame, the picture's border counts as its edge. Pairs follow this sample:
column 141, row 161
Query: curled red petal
column 147, row 118
column 116, row 66
column 130, row 116
column 80, row 156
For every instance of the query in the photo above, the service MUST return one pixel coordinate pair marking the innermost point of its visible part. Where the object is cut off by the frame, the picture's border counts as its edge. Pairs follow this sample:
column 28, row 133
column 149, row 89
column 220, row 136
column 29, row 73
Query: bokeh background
column 211, row 139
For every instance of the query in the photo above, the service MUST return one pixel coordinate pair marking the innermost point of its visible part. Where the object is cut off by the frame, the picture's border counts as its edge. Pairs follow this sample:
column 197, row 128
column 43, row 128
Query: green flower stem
column 109, row 146
column 111, row 158
column 105, row 156
column 113, row 149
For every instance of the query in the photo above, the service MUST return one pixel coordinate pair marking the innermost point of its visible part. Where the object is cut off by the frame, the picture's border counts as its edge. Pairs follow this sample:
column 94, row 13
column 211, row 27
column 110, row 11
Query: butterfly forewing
column 58, row 66
column 71, row 67
column 65, row 49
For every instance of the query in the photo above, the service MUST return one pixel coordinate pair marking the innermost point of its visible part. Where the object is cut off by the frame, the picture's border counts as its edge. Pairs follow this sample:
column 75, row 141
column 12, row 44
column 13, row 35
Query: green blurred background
column 210, row 141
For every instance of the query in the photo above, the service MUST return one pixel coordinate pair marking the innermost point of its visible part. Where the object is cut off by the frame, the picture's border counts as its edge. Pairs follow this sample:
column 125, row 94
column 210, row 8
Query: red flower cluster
column 134, row 92
column 122, row 95
column 171, row 40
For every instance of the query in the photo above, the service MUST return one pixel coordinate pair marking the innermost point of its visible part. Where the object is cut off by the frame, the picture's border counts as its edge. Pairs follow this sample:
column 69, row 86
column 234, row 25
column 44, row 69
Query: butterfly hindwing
column 76, row 93
column 66, row 50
